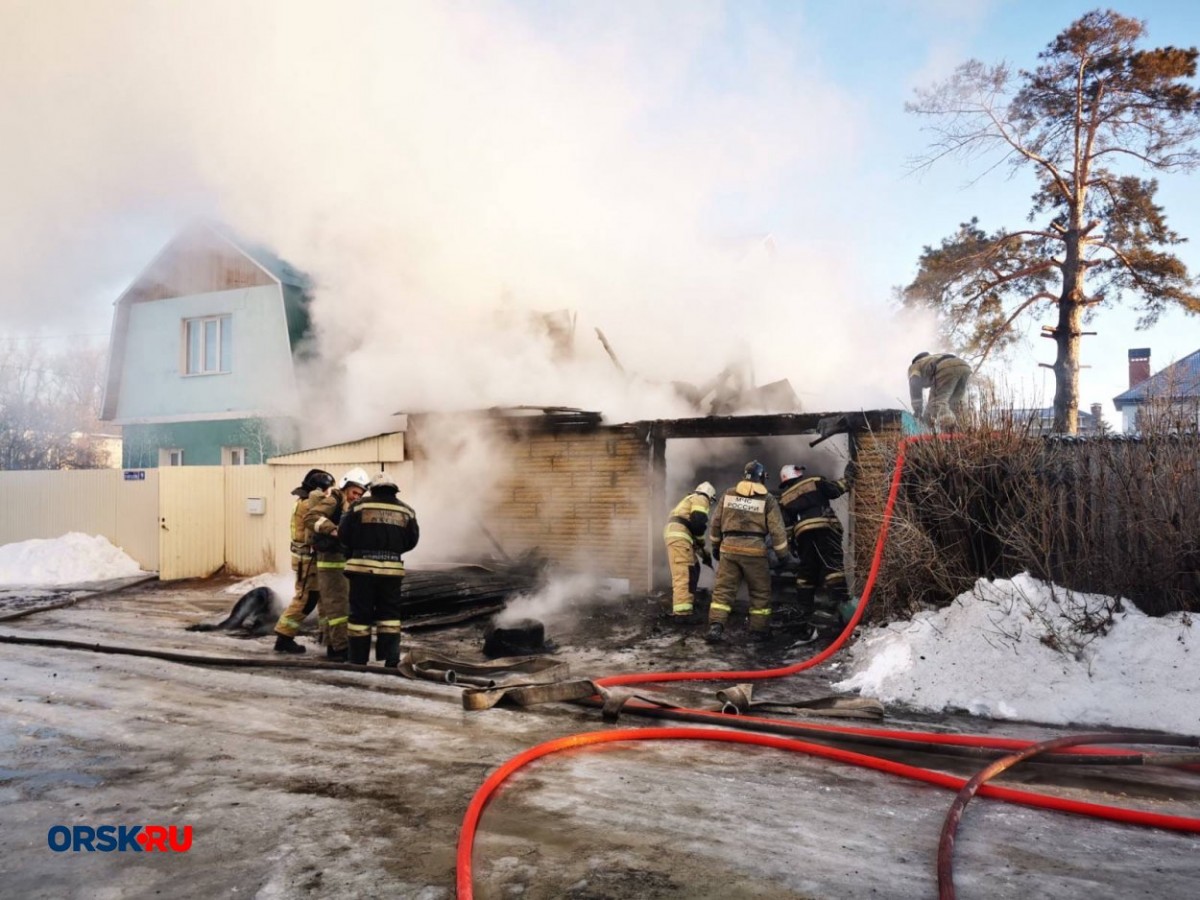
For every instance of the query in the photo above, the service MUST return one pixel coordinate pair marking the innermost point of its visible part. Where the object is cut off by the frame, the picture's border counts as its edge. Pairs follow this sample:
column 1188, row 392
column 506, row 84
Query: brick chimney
column 1097, row 415
column 1139, row 366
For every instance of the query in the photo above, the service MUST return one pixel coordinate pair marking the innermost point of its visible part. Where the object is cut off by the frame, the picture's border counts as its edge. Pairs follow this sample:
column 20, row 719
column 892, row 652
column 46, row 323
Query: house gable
column 203, row 275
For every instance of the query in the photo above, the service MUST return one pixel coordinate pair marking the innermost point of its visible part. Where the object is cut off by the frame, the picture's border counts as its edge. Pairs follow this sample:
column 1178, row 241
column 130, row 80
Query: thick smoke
column 444, row 171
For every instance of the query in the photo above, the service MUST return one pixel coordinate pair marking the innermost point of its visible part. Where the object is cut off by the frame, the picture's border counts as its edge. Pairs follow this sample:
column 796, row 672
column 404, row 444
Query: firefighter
column 684, row 536
column 746, row 517
column 816, row 535
column 325, row 511
column 305, row 596
column 946, row 377
column 377, row 530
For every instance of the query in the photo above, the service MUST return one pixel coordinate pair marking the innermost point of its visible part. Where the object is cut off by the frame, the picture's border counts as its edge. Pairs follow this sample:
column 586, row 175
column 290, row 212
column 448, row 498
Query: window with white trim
column 170, row 456
column 233, row 456
column 207, row 345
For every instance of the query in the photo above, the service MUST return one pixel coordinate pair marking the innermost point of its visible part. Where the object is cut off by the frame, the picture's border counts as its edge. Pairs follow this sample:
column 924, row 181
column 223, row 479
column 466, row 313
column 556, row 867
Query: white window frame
column 204, row 365
column 233, row 456
column 170, row 456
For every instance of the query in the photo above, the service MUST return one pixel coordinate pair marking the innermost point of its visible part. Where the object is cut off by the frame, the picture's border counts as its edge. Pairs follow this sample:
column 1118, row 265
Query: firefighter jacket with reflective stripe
column 321, row 519
column 376, row 531
column 745, row 517
column 805, row 503
column 689, row 520
column 920, row 377
column 301, row 539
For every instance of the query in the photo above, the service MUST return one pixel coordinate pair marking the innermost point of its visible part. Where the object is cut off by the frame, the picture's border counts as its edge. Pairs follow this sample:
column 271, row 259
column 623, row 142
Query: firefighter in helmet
column 816, row 535
column 746, row 518
column 325, row 511
column 376, row 531
column 684, row 536
column 305, row 596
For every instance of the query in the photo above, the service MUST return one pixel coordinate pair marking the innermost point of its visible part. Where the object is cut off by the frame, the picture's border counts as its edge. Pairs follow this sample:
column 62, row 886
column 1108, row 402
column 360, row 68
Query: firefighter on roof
column 946, row 377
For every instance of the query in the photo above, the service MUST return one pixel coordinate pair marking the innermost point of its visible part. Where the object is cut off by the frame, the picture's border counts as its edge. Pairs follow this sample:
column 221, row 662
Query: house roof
column 1178, row 381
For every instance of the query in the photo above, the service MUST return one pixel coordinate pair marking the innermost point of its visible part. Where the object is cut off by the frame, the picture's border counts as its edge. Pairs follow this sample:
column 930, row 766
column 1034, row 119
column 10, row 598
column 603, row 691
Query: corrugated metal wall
column 249, row 536
column 93, row 501
column 137, row 518
column 181, row 521
column 191, row 511
column 370, row 453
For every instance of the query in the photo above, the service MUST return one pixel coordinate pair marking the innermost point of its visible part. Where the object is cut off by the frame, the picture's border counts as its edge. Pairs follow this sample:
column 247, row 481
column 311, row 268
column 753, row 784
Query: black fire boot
column 387, row 648
column 336, row 655
column 359, row 650
column 716, row 633
column 285, row 644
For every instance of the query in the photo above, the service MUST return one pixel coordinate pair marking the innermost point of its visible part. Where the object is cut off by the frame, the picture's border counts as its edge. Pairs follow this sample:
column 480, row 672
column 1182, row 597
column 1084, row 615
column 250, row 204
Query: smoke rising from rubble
column 443, row 171
column 560, row 601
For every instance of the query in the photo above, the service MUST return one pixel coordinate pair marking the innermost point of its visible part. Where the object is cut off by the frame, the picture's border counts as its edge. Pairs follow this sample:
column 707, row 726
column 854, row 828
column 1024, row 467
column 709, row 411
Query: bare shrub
column 1108, row 514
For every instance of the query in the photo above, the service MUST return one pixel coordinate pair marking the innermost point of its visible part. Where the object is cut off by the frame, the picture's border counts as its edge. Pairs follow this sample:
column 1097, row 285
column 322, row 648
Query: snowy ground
column 314, row 784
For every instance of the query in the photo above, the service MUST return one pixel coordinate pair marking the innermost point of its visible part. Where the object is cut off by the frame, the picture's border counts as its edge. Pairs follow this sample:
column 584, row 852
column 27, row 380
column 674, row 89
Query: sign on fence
column 139, row 475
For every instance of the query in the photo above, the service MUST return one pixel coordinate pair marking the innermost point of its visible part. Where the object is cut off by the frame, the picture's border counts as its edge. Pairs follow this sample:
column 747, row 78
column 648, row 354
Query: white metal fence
column 182, row 521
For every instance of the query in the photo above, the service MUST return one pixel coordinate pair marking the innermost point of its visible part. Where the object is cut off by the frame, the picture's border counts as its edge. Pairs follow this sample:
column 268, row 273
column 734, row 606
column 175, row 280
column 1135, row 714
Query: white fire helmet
column 385, row 481
column 787, row 473
column 707, row 490
column 355, row 476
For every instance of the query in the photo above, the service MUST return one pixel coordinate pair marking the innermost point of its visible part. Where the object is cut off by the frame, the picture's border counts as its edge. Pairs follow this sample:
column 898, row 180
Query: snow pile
column 71, row 559
column 1011, row 649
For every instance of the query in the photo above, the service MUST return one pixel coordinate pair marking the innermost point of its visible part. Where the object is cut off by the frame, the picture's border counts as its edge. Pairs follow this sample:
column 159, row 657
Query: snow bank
column 70, row 559
column 1007, row 649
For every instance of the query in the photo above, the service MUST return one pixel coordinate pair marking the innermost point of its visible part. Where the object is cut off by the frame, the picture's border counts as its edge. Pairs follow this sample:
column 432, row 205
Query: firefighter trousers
column 304, row 598
column 946, row 395
column 375, row 600
column 334, row 603
column 820, row 553
column 732, row 570
column 685, row 575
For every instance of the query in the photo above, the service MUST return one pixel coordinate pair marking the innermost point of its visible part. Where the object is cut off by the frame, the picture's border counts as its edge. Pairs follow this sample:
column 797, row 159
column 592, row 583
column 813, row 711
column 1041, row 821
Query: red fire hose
column 966, row 788
column 466, row 838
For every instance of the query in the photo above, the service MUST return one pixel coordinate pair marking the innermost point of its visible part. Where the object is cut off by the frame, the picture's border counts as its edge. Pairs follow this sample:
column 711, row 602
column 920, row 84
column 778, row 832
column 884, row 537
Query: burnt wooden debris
column 444, row 596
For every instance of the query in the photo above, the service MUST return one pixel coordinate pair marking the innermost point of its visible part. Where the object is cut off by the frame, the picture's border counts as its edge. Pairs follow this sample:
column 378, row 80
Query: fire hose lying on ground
column 535, row 679
column 966, row 788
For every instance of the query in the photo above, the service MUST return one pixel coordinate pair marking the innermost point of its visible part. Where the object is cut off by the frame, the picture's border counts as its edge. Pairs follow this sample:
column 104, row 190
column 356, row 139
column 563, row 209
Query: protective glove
column 706, row 558
column 716, row 553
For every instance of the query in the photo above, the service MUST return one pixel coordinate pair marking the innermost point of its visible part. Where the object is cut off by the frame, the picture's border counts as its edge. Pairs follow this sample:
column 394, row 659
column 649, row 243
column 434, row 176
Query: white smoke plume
column 443, row 170
column 561, row 601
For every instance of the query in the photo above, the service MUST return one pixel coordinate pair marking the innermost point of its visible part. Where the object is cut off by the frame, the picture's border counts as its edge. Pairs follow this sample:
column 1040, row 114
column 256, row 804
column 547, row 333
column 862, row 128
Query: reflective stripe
column 358, row 630
column 723, row 607
column 681, row 608
column 760, row 612
column 290, row 623
column 376, row 563
column 331, row 565
column 395, row 622
column 340, row 620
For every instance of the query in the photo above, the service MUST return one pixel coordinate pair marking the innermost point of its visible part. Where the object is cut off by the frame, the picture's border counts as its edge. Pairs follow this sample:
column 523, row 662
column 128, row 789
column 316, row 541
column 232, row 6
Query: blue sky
column 423, row 159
